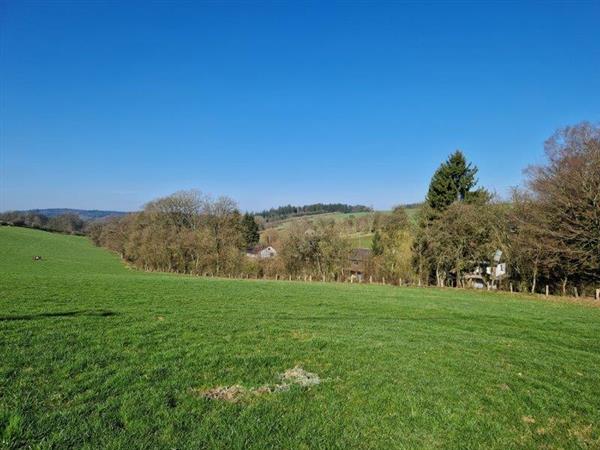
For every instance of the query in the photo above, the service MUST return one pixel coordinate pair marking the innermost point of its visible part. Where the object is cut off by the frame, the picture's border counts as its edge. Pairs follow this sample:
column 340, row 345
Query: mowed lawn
column 96, row 355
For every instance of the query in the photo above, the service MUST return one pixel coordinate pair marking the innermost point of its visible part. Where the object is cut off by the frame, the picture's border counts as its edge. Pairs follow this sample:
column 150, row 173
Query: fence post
column 370, row 279
column 511, row 288
column 597, row 294
column 382, row 280
column 546, row 290
column 323, row 278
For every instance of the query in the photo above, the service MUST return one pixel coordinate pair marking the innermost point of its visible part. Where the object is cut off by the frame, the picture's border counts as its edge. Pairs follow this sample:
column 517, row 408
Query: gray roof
column 360, row 254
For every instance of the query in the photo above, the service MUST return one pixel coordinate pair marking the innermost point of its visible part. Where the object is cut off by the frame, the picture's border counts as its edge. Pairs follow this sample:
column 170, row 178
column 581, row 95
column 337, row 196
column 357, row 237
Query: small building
column 486, row 275
column 475, row 280
column 262, row 252
column 499, row 271
column 358, row 262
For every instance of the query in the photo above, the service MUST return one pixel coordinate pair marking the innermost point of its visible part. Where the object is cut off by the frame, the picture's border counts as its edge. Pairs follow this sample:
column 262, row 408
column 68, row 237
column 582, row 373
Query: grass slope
column 95, row 355
column 357, row 240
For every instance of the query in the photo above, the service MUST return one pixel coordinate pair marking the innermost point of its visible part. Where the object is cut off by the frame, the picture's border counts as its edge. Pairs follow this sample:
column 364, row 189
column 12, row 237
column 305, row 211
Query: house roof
column 474, row 276
column 259, row 248
column 256, row 249
column 360, row 254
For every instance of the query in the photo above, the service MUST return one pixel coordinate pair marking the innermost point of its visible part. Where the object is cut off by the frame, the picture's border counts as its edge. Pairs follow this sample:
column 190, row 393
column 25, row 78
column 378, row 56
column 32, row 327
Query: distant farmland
column 97, row 355
column 358, row 240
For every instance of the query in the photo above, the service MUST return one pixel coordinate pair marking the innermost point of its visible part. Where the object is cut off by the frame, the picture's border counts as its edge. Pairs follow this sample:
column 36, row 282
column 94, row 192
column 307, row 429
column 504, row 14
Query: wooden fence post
column 370, row 279
column 382, row 280
column 323, row 278
column 597, row 294
column 511, row 288
column 576, row 293
column 546, row 290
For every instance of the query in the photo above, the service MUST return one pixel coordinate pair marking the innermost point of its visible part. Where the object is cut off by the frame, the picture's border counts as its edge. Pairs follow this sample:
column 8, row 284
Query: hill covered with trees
column 84, row 214
column 285, row 212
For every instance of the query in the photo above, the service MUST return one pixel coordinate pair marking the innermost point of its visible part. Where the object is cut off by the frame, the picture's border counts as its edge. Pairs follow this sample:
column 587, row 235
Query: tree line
column 63, row 223
column 188, row 232
column 546, row 235
column 285, row 212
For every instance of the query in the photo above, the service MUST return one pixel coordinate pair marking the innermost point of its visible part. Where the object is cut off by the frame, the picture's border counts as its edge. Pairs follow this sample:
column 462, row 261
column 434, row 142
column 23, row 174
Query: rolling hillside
column 95, row 355
column 360, row 239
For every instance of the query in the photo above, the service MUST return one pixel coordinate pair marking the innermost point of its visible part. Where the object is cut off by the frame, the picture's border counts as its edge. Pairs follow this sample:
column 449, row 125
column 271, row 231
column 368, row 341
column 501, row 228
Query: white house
column 262, row 252
column 268, row 252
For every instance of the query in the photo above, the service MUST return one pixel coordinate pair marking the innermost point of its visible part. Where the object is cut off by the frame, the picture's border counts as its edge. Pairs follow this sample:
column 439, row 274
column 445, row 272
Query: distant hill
column 360, row 233
column 289, row 211
column 84, row 214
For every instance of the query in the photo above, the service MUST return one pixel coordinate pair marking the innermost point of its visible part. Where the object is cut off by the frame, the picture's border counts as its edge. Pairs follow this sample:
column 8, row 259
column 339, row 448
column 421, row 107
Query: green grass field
column 361, row 240
column 95, row 355
column 357, row 240
column 284, row 224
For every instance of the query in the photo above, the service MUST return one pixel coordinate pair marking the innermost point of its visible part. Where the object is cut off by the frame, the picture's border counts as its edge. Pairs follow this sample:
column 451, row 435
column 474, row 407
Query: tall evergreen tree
column 452, row 182
column 250, row 230
column 376, row 244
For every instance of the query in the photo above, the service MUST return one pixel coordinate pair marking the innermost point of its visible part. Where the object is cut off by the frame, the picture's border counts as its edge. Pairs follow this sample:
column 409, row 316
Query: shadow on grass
column 46, row 315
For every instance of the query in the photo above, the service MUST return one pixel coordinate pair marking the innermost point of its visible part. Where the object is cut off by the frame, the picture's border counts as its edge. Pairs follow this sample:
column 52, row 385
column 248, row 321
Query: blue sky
column 108, row 105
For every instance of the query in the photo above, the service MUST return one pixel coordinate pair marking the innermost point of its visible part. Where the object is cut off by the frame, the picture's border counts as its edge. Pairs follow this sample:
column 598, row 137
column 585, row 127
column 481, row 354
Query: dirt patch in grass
column 226, row 393
column 295, row 376
column 301, row 377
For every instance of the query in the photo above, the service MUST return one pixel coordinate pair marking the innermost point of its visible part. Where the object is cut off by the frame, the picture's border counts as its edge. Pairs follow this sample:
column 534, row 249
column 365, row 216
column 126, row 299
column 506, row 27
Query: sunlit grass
column 94, row 354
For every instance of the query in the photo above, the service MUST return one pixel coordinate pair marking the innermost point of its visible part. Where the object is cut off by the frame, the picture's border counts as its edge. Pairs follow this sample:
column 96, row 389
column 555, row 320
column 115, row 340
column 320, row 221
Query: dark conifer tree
column 376, row 244
column 250, row 230
column 452, row 182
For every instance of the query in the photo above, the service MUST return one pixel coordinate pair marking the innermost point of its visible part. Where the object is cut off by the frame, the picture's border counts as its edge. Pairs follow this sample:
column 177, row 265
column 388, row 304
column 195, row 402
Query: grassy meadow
column 96, row 355
column 357, row 240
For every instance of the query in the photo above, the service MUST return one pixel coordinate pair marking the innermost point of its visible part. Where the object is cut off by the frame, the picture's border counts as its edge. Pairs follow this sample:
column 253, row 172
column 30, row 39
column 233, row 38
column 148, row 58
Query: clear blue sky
column 108, row 105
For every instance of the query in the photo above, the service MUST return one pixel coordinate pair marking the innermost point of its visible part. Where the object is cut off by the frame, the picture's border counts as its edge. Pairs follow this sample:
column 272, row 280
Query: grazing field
column 96, row 355
column 361, row 240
